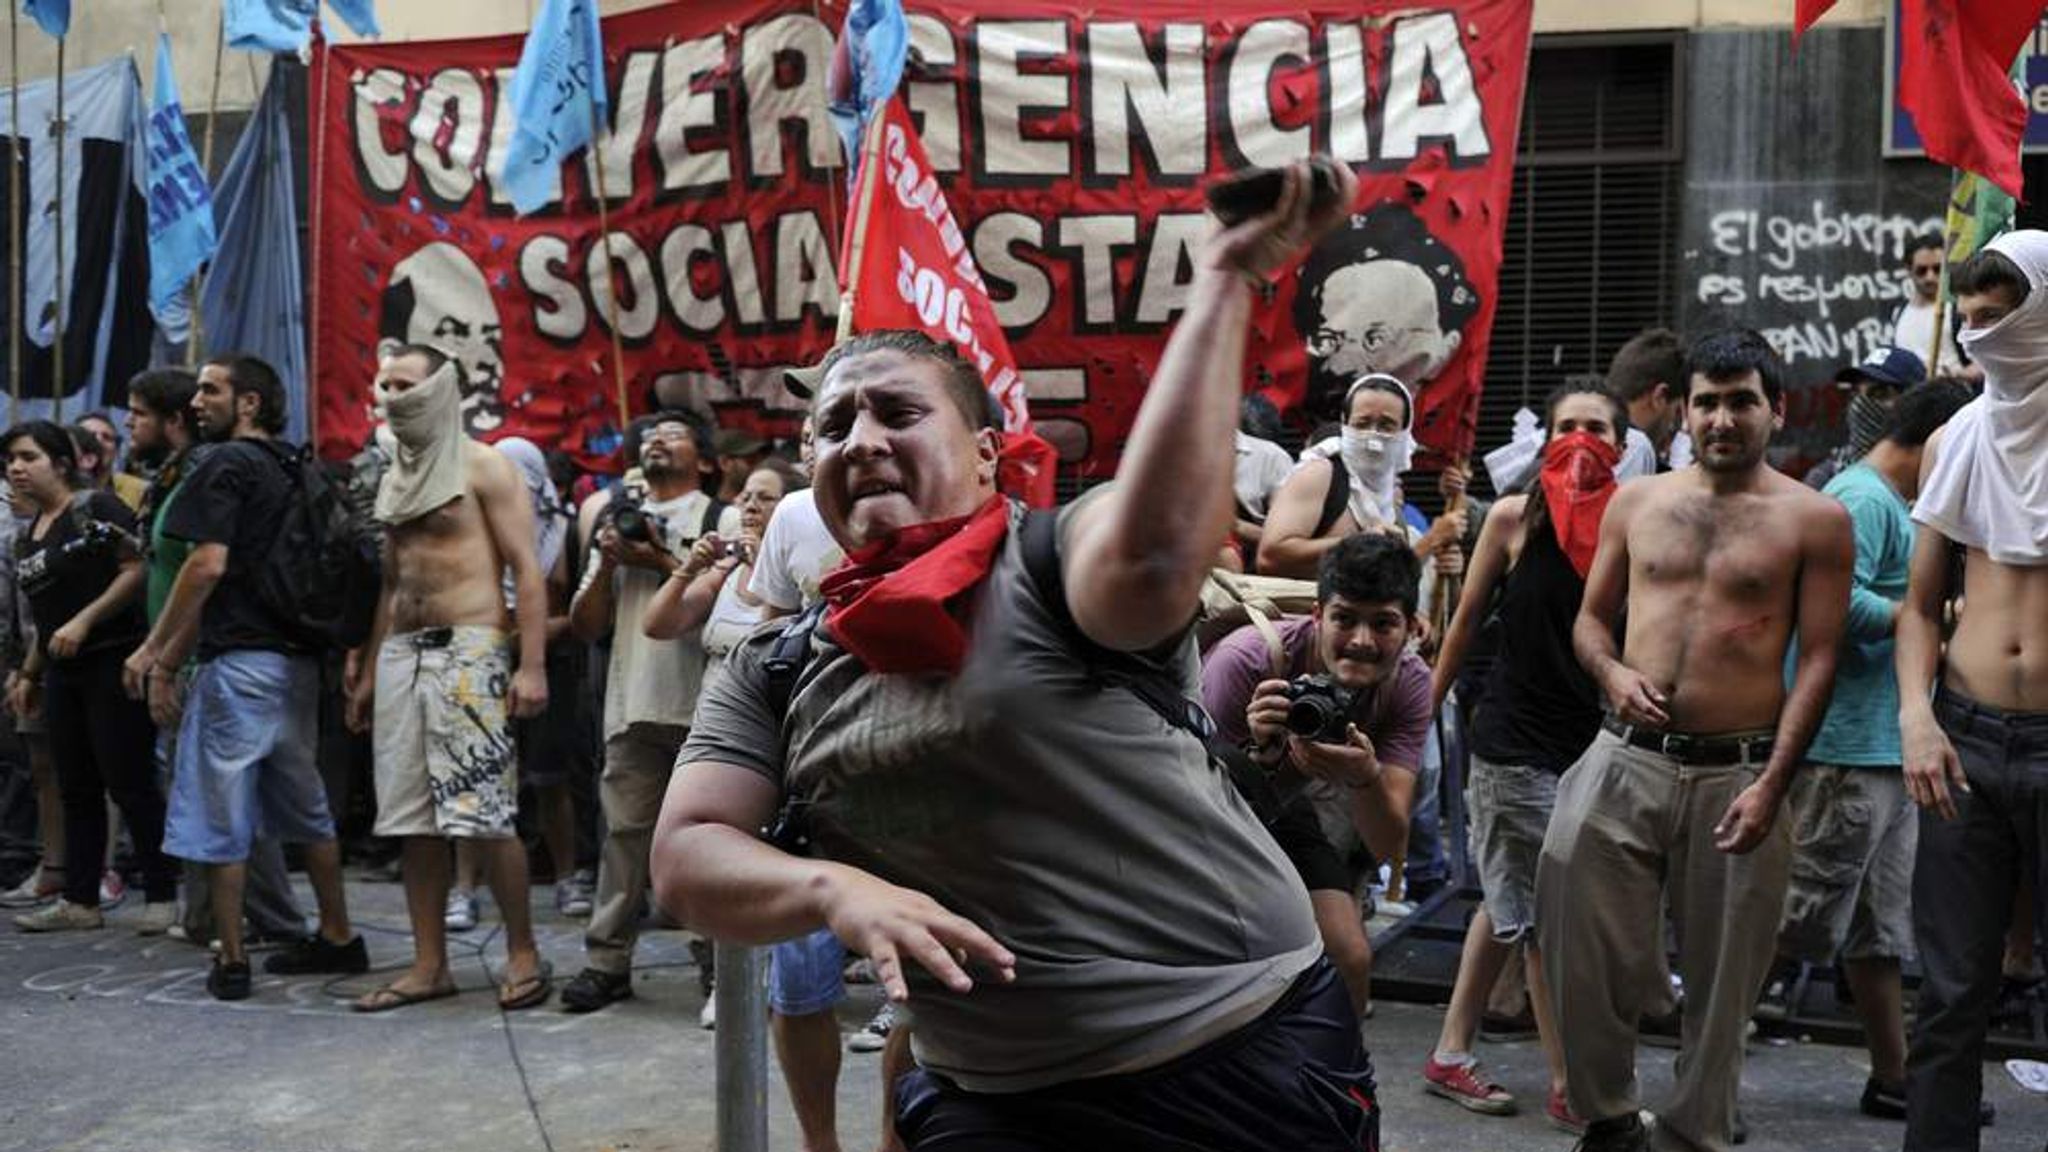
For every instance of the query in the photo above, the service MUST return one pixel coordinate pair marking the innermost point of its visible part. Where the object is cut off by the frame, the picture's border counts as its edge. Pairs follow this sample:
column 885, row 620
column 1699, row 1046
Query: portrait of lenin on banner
column 1383, row 295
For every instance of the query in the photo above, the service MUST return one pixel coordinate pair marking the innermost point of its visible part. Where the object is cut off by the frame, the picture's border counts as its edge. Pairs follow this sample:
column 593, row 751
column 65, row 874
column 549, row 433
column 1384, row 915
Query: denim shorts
column 1510, row 807
column 248, row 740
column 806, row 975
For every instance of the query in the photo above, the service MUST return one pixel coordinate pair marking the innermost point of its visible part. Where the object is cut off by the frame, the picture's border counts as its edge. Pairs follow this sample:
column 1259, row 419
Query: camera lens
column 1310, row 715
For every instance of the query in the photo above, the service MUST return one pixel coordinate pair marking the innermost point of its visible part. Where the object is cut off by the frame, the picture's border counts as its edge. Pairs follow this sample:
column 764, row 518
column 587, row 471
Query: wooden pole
column 16, row 259
column 57, row 345
column 318, row 196
column 611, row 279
column 195, row 344
column 856, row 242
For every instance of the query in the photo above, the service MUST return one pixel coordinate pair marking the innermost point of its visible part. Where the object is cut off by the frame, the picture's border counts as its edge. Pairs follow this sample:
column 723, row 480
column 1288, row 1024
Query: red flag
column 1954, row 79
column 908, row 266
column 1805, row 13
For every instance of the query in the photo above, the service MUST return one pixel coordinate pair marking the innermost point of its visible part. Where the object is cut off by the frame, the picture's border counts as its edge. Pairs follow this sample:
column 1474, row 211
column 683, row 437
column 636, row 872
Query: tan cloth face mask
column 426, row 469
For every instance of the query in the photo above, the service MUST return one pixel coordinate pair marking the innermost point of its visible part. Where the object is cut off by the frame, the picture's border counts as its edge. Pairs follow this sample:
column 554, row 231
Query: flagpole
column 196, row 341
column 319, row 169
column 57, row 345
column 15, row 260
column 611, row 279
column 870, row 163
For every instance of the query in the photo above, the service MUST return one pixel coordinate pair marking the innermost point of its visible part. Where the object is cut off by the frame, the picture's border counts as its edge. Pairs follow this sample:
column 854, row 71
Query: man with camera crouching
column 640, row 534
column 1333, row 709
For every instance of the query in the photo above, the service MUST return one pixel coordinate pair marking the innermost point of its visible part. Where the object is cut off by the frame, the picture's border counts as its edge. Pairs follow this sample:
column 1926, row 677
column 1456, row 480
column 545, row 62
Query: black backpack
column 325, row 570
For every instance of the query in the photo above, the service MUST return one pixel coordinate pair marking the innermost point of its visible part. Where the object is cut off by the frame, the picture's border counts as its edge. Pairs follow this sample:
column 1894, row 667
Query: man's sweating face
column 1360, row 643
column 1730, row 422
column 893, row 449
column 1378, row 316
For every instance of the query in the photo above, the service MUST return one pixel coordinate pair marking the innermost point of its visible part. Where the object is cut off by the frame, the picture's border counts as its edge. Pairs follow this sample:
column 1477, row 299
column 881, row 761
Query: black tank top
column 1539, row 709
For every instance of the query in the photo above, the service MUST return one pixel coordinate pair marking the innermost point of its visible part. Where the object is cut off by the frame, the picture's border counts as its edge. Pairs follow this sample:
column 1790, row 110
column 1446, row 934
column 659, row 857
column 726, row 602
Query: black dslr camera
column 632, row 521
column 1319, row 709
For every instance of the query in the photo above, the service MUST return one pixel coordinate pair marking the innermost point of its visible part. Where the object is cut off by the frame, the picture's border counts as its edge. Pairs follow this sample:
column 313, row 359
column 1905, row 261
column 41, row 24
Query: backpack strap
column 712, row 511
column 1336, row 499
column 1260, row 614
column 1040, row 540
column 790, row 829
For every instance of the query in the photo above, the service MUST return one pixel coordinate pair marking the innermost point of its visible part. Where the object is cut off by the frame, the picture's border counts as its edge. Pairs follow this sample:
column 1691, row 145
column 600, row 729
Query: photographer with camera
column 642, row 532
column 79, row 565
column 1334, row 709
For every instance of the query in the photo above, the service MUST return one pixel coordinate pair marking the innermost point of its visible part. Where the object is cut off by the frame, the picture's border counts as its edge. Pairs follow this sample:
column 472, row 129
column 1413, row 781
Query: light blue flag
column 877, row 42
column 557, row 94
column 53, row 15
column 181, row 237
column 270, row 25
column 254, row 301
column 359, row 15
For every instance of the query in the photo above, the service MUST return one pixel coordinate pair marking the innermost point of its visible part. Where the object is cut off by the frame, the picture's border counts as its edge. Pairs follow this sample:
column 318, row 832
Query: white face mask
column 1368, row 455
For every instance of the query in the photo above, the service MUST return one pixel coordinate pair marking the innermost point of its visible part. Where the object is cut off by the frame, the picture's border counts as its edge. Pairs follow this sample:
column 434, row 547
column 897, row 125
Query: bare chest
column 1731, row 548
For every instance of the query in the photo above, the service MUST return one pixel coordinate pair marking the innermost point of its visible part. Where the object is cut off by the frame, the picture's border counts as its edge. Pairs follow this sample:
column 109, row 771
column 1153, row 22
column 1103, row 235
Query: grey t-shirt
column 1149, row 911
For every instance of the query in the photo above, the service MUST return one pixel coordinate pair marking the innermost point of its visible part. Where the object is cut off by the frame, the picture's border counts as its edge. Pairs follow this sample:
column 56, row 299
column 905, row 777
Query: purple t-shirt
column 1395, row 717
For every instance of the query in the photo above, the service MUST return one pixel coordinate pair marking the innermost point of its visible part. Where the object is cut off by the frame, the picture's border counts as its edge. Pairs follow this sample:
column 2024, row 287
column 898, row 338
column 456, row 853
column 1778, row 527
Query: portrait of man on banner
column 1383, row 295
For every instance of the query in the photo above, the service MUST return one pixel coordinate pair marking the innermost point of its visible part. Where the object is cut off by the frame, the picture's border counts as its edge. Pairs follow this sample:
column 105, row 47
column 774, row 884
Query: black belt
column 1687, row 749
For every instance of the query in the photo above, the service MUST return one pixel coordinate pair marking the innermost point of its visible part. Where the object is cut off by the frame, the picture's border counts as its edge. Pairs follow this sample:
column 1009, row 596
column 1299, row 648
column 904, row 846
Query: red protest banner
column 1072, row 144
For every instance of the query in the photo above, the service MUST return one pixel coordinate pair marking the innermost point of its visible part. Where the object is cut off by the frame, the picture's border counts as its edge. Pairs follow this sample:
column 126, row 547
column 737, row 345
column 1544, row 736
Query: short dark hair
column 700, row 431
column 1919, row 412
column 54, row 441
column 1988, row 270
column 1732, row 353
column 792, row 480
column 167, row 392
column 252, row 375
column 1371, row 568
column 100, row 414
column 1651, row 357
column 1923, row 242
column 1379, row 382
column 964, row 385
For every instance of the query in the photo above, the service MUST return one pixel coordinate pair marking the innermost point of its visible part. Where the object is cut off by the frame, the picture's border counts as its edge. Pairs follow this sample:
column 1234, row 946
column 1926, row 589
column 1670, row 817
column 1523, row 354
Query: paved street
column 112, row 1045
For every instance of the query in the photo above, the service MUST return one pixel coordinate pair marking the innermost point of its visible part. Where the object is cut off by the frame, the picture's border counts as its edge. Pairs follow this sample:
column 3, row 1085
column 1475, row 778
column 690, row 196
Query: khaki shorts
column 1854, row 831
column 445, row 762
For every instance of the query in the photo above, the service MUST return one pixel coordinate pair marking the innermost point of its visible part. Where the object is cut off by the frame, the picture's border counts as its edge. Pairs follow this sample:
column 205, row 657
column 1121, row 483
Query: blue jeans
column 1426, row 861
column 806, row 975
column 249, row 739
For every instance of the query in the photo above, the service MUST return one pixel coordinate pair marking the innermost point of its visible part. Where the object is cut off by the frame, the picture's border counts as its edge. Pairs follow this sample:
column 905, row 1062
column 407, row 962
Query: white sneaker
column 874, row 1035
column 41, row 887
column 158, row 916
column 113, row 890
column 63, row 916
column 707, row 1017
column 460, row 914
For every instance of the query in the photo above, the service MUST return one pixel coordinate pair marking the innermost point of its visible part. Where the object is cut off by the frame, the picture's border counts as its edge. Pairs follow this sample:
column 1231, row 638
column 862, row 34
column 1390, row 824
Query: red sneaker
column 1562, row 1117
column 1461, row 1085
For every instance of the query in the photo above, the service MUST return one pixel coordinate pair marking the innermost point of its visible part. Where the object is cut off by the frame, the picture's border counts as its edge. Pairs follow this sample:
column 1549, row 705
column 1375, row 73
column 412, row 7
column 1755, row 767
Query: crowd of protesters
column 851, row 702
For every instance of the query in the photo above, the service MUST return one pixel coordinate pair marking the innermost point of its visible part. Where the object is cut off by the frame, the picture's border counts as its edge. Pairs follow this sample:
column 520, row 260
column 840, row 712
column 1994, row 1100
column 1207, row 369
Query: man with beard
column 991, row 742
column 1716, row 567
column 1874, row 387
column 1648, row 374
column 1973, row 717
column 251, row 714
column 642, row 532
column 162, row 436
column 444, row 683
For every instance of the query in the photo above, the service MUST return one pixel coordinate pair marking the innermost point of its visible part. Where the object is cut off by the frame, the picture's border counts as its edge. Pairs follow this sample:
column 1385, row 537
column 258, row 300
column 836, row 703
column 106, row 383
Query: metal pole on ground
column 741, row 1048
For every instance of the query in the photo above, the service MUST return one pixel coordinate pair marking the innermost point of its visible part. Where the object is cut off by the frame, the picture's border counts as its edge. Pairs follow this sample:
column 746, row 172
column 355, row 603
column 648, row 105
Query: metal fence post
column 741, row 1048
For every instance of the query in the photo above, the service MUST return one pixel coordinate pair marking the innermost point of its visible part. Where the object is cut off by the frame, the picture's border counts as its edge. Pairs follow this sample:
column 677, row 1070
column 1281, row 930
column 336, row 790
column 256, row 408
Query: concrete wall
column 102, row 28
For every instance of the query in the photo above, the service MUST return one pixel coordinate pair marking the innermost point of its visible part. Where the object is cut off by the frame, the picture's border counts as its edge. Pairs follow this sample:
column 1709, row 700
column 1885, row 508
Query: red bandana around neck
column 890, row 603
column 1578, row 481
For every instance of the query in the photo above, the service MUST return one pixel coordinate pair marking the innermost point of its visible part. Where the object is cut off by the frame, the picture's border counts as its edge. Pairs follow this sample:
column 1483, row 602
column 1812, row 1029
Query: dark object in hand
column 1256, row 191
column 631, row 520
column 1319, row 709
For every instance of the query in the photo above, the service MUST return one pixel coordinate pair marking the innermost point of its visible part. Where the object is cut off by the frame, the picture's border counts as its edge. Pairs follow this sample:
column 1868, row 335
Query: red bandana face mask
column 1578, row 481
column 891, row 605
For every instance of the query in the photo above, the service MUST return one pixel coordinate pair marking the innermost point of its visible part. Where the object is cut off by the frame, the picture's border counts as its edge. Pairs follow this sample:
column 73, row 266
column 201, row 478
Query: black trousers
column 1964, row 882
column 1295, row 1080
column 104, row 745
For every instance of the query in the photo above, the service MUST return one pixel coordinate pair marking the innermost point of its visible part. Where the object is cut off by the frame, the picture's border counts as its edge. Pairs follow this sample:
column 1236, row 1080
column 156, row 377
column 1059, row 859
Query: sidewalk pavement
column 112, row 1045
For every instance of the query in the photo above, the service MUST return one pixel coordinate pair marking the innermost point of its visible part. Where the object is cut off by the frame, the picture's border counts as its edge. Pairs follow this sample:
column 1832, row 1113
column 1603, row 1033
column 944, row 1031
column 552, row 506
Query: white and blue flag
column 53, row 15
column 557, row 97
column 181, row 233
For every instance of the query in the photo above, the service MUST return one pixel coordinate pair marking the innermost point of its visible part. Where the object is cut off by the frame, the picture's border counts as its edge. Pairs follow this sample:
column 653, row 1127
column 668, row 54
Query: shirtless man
column 1976, row 746
column 444, row 684
column 1718, row 566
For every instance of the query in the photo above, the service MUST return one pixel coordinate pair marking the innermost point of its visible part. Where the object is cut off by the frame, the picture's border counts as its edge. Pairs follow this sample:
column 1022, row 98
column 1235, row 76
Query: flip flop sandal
column 391, row 996
column 538, row 987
